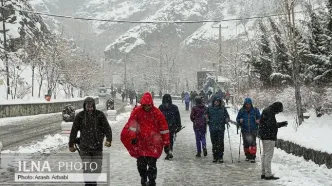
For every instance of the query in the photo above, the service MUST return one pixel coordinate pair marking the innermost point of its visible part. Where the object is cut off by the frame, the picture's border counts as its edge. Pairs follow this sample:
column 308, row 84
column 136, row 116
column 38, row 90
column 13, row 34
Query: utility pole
column 5, row 45
column 125, row 72
column 220, row 53
column 161, row 68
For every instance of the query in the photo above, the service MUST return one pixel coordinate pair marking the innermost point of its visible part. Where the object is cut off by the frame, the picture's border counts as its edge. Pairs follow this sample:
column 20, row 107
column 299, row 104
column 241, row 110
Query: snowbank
column 314, row 133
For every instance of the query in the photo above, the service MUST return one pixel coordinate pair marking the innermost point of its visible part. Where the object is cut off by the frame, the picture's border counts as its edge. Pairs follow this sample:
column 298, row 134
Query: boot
column 271, row 178
column 215, row 159
column 198, row 155
column 204, row 151
column 151, row 183
column 221, row 160
column 144, row 182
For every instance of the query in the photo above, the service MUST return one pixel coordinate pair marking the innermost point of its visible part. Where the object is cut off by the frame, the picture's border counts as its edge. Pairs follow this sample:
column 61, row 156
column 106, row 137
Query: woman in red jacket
column 145, row 135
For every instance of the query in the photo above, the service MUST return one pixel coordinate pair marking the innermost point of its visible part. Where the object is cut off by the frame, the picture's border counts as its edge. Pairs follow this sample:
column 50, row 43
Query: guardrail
column 27, row 109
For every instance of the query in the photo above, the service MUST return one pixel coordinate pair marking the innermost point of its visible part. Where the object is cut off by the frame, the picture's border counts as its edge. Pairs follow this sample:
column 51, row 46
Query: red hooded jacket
column 149, row 128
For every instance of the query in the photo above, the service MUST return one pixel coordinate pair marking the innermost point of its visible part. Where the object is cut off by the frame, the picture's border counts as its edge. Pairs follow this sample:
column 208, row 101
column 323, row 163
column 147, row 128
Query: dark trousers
column 249, row 144
column 171, row 138
column 187, row 105
column 91, row 159
column 217, row 140
column 147, row 168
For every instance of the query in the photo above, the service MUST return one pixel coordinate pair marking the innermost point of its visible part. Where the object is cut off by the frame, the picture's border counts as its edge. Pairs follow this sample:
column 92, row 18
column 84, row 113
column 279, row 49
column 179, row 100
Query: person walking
column 172, row 115
column 197, row 116
column 218, row 117
column 94, row 127
column 248, row 119
column 145, row 135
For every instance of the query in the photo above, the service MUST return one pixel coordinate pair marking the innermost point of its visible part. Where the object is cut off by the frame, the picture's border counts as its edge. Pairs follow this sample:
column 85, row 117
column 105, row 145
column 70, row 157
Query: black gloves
column 283, row 124
column 134, row 141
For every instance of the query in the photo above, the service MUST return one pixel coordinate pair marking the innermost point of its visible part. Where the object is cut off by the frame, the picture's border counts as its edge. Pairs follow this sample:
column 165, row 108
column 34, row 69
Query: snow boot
column 252, row 161
column 262, row 176
column 151, row 183
column 204, row 151
column 144, row 182
column 271, row 178
column 169, row 156
column 198, row 155
column 221, row 160
column 215, row 160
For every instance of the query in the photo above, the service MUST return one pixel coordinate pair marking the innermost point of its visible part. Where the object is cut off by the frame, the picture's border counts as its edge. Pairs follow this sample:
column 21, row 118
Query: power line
column 148, row 22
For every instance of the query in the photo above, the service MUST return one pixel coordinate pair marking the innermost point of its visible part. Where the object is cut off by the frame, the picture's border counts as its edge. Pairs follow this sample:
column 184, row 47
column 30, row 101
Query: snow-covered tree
column 263, row 62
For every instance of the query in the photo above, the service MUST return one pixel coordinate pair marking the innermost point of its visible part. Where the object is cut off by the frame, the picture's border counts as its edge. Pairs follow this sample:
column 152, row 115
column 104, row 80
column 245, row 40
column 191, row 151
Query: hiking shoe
column 204, row 151
column 271, row 178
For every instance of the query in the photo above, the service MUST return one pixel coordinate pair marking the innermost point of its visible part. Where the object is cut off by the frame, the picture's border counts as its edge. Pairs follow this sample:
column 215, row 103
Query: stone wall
column 27, row 109
column 320, row 158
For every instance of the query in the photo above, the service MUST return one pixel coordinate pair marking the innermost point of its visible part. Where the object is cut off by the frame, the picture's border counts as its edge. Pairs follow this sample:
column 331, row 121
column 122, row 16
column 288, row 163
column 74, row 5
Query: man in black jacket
column 172, row 115
column 93, row 126
column 268, row 131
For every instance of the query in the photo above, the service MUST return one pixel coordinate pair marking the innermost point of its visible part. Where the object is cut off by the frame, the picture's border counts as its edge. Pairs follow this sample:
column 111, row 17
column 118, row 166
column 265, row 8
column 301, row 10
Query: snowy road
column 186, row 169
column 31, row 128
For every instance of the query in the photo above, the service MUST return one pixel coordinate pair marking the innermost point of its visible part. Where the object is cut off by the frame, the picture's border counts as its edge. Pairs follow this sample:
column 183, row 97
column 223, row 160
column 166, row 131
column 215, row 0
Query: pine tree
column 320, row 54
column 283, row 71
column 263, row 63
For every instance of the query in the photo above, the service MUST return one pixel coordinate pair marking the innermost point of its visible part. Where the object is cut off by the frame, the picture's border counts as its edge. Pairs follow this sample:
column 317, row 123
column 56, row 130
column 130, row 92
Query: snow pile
column 314, row 133
column 48, row 145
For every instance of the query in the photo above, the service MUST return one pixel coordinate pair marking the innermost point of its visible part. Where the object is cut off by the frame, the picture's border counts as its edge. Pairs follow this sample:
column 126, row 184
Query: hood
column 198, row 100
column 167, row 99
column 247, row 101
column 216, row 98
column 147, row 99
column 277, row 107
column 87, row 100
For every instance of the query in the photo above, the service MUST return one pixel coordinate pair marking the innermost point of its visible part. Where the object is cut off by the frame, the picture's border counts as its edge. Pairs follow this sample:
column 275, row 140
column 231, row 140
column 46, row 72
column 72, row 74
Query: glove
column 134, row 141
column 108, row 143
column 283, row 124
column 257, row 122
column 241, row 121
column 72, row 149
column 178, row 129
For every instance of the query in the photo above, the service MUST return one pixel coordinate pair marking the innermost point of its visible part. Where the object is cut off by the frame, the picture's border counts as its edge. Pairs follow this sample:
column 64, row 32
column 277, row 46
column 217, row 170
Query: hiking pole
column 229, row 139
column 260, row 150
column 240, row 146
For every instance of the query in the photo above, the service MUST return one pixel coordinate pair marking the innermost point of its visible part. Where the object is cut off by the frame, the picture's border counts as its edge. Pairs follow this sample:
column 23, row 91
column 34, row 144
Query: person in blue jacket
column 217, row 117
column 248, row 119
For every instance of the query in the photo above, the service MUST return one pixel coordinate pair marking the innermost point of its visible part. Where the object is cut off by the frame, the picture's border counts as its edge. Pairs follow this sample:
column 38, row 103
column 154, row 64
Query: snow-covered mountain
column 119, row 38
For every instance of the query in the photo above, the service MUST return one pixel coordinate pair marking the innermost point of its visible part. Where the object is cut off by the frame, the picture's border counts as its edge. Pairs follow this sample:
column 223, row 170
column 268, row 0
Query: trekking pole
column 240, row 147
column 229, row 139
column 260, row 150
